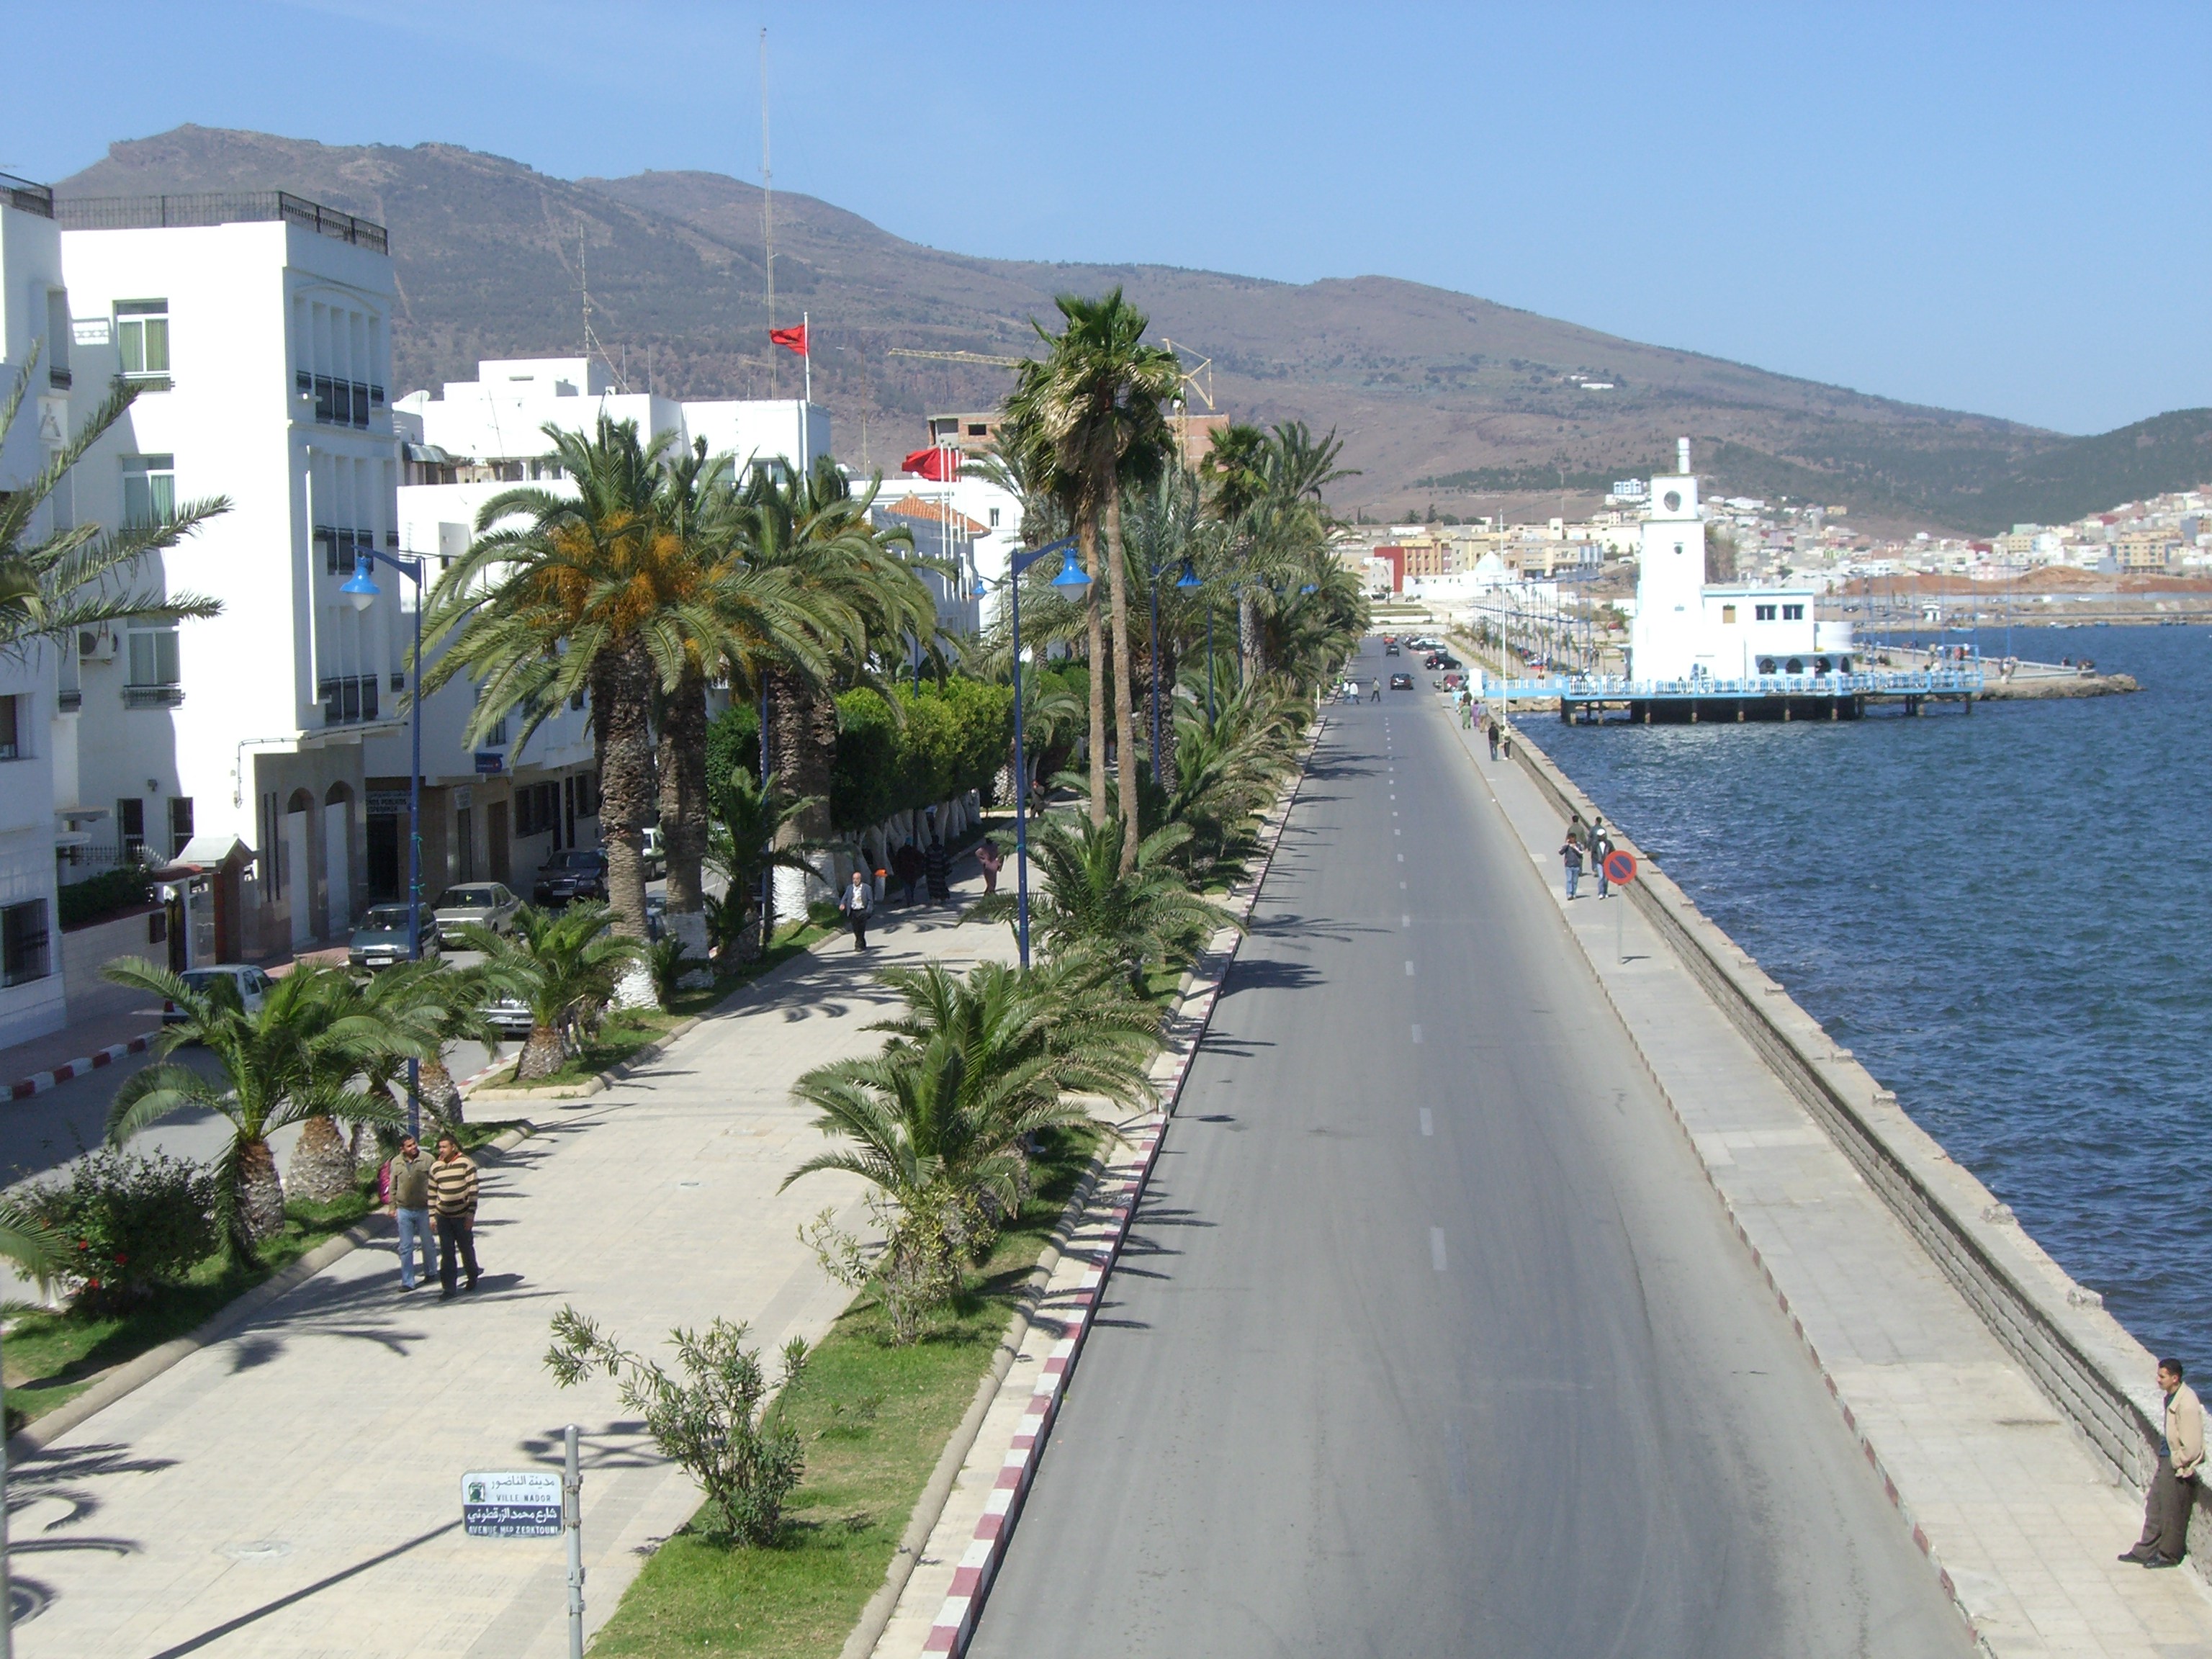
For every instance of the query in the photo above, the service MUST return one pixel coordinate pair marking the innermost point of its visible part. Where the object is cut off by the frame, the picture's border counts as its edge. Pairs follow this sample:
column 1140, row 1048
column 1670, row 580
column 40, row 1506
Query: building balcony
column 152, row 696
column 25, row 197
column 210, row 208
column 71, row 701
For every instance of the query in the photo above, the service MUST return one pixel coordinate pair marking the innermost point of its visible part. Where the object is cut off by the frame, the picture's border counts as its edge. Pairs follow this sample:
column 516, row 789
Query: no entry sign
column 1620, row 869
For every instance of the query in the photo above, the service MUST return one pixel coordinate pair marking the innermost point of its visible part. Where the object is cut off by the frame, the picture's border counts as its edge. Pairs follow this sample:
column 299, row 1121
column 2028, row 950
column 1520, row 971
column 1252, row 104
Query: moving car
column 1440, row 660
column 579, row 873
column 481, row 903
column 382, row 939
column 1402, row 682
column 252, row 985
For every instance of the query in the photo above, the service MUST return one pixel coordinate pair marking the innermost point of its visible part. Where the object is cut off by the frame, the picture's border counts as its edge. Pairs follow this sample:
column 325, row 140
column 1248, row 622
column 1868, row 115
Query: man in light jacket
column 2173, row 1497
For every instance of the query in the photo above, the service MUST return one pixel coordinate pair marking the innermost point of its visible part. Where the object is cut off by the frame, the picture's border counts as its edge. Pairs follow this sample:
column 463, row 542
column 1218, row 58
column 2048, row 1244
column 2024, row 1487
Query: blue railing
column 1613, row 688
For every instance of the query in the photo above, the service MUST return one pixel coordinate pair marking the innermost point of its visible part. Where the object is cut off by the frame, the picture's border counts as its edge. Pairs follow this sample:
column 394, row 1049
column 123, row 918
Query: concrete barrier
column 2093, row 1370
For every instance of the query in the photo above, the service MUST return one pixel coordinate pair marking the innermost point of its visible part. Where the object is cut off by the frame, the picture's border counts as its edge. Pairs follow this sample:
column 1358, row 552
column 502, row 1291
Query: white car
column 252, row 986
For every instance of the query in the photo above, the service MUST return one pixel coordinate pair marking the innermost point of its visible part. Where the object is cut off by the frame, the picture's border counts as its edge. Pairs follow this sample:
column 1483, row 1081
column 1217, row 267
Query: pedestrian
column 1506, row 737
column 852, row 904
column 937, row 864
column 1600, row 848
column 992, row 861
column 1493, row 737
column 453, row 1194
column 1466, row 709
column 1571, row 853
column 409, row 1203
column 2173, row 1497
column 908, row 866
column 1376, row 695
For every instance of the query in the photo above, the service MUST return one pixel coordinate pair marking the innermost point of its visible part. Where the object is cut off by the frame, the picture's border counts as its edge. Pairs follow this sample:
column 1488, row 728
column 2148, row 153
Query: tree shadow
column 1263, row 974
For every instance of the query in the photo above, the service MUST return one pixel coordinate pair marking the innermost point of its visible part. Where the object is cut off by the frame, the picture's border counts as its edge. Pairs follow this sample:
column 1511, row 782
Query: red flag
column 792, row 339
column 936, row 464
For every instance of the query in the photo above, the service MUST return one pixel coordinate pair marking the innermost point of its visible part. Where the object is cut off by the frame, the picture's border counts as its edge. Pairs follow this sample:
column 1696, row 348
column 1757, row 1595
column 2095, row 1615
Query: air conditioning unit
column 96, row 645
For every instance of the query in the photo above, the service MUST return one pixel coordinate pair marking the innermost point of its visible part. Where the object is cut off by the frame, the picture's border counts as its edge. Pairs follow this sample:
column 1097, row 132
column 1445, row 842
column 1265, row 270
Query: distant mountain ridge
column 1439, row 397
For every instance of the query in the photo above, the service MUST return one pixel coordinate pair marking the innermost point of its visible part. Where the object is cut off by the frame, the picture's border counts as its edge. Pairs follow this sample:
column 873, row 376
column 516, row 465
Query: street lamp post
column 361, row 590
column 1071, row 576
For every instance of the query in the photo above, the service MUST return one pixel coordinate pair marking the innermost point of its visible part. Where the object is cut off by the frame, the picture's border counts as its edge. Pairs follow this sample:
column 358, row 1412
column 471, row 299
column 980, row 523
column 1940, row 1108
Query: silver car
column 482, row 903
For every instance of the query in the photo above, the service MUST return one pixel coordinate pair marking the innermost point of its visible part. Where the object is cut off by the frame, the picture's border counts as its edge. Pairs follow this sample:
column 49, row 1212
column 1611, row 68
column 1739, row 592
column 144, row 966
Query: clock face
column 1673, row 501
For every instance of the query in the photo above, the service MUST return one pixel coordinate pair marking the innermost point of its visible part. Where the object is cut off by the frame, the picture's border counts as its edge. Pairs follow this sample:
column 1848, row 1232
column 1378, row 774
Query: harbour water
column 2004, row 916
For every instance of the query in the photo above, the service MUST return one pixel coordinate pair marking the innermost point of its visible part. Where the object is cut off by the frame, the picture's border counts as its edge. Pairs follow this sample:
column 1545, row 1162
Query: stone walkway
column 2024, row 1520
column 295, row 1490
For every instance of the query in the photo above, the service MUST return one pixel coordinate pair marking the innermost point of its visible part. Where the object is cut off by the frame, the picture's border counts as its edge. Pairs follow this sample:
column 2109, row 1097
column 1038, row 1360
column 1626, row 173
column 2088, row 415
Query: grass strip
column 875, row 1420
column 52, row 1357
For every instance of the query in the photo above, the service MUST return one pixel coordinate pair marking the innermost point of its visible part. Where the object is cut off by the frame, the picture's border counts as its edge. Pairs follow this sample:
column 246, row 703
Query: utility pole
column 768, row 220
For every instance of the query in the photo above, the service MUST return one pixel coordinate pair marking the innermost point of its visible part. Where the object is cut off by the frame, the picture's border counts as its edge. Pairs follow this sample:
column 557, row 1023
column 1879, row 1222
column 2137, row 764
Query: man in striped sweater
column 453, row 1213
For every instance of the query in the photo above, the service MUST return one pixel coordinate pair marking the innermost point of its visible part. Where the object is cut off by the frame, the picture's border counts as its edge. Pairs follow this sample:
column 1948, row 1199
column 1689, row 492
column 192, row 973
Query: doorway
column 465, row 831
column 299, row 883
column 495, row 828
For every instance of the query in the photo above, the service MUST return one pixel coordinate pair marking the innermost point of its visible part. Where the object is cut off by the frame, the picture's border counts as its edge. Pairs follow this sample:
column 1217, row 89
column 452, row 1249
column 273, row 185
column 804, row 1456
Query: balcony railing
column 214, row 208
column 22, row 194
column 152, row 696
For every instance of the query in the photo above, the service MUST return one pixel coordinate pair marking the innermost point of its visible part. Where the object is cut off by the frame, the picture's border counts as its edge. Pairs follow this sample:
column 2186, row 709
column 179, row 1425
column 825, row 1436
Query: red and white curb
column 39, row 1082
column 1122, row 1185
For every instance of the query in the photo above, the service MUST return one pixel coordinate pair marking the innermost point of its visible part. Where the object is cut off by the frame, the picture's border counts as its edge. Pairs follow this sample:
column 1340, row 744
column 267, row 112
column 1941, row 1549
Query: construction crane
column 975, row 359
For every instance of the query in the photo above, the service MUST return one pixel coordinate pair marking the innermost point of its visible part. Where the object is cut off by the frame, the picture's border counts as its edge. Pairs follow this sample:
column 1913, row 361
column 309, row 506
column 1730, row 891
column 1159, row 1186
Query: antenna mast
column 767, row 218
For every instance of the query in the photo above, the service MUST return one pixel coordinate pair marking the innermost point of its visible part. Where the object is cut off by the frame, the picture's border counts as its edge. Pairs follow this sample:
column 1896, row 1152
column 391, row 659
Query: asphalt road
column 1429, row 1338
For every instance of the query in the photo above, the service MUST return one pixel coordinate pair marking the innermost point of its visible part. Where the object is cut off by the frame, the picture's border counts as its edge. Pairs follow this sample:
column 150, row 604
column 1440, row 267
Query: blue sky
column 1995, row 207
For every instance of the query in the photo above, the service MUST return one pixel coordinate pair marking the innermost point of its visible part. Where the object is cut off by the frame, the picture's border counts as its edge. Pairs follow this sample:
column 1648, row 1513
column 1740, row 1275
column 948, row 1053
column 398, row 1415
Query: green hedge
column 108, row 894
column 953, row 737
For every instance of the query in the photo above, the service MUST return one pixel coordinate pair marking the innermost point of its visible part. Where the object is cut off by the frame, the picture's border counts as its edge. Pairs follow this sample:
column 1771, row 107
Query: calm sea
column 2004, row 916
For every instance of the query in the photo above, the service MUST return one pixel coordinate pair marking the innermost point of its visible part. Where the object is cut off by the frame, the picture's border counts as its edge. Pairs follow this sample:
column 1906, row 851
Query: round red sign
column 1620, row 869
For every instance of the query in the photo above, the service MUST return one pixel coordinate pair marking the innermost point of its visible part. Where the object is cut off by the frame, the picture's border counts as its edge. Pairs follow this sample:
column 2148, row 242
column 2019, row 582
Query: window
column 180, row 824
column 23, row 943
column 1762, row 613
column 57, row 338
column 350, row 701
column 994, row 517
column 153, row 655
column 587, row 794
column 142, row 329
column 537, row 809
column 11, row 743
column 130, row 828
column 149, row 490
column 1793, row 613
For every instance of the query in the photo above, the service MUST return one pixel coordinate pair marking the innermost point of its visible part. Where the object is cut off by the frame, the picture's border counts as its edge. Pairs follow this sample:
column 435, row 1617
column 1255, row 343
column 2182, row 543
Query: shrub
column 129, row 1223
column 708, row 1422
column 733, row 744
column 108, row 894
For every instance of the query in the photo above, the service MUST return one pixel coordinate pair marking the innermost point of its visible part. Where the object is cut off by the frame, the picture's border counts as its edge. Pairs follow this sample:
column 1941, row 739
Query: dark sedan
column 578, row 873
column 1402, row 682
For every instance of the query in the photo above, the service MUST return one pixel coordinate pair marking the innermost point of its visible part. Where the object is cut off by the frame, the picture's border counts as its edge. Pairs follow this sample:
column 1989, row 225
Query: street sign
column 512, row 1504
column 1620, row 869
column 490, row 763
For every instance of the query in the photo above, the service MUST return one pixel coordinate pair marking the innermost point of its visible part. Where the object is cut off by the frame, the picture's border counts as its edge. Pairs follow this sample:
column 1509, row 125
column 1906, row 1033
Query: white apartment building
column 256, row 328
column 35, row 718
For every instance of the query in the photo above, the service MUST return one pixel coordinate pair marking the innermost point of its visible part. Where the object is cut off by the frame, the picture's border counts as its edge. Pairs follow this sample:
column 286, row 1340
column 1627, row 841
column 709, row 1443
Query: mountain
column 1441, row 399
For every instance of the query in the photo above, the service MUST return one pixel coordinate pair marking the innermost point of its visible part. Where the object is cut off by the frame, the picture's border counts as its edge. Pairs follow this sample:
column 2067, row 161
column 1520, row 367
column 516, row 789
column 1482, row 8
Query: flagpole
column 806, row 404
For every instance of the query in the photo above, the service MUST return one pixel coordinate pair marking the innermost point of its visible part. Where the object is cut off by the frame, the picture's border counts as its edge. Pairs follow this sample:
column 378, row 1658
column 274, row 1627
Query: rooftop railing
column 29, row 197
column 215, row 208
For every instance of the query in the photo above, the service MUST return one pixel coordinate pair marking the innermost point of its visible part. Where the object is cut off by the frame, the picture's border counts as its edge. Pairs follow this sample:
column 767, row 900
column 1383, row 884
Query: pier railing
column 1614, row 687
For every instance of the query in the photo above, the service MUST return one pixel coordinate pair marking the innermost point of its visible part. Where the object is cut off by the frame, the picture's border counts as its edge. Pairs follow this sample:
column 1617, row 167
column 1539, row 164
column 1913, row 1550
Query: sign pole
column 572, row 1523
column 1621, row 870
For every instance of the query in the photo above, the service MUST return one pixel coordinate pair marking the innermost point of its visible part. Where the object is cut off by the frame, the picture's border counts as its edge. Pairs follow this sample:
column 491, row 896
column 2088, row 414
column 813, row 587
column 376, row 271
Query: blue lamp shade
column 1071, row 574
column 1189, row 577
column 1308, row 588
column 361, row 588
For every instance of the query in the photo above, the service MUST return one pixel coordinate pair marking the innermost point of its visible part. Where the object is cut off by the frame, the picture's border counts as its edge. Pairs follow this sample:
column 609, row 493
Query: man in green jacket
column 453, row 1207
column 411, row 1206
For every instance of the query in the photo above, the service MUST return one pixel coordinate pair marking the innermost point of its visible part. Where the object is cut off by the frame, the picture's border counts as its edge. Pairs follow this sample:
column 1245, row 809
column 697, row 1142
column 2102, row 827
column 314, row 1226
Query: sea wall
column 2094, row 1371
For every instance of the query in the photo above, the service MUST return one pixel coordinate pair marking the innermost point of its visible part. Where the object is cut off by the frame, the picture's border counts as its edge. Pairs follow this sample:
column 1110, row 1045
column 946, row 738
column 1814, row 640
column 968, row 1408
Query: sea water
column 2004, row 915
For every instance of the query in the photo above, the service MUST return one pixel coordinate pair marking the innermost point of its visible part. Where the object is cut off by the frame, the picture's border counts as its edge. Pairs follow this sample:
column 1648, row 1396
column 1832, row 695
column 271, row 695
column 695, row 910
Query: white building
column 1684, row 630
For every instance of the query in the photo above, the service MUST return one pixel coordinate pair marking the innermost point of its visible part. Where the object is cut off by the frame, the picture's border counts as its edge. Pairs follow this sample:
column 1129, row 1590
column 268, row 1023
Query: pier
column 1588, row 698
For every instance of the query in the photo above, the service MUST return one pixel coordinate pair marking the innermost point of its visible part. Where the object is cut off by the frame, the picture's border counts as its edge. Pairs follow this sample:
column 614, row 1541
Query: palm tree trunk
column 684, row 790
column 801, row 746
column 440, row 1095
column 1086, row 530
column 260, row 1194
column 1125, row 724
column 1249, row 643
column 322, row 1163
column 622, row 686
column 541, row 1055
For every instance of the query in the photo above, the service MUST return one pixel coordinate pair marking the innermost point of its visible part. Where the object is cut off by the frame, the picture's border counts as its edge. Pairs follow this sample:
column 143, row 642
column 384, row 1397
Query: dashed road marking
column 1416, row 1034
column 1409, row 970
column 1428, row 1123
column 1437, row 1249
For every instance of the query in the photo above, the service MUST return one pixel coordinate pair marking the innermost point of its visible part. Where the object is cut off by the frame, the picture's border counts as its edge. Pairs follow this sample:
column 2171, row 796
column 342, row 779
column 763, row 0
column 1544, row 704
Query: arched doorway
column 299, row 885
column 338, row 858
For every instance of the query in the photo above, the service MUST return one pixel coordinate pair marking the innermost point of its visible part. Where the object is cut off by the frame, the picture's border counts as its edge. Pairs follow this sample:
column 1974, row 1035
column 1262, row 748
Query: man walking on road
column 1493, row 737
column 854, row 902
column 1600, row 846
column 1571, row 853
column 907, row 865
column 454, row 1206
column 410, row 1207
column 2172, row 1496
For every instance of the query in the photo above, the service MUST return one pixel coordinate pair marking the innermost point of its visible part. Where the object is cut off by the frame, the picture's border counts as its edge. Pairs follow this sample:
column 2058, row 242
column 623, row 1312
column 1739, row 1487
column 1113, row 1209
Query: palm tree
column 746, row 839
column 77, row 578
column 565, row 965
column 1149, row 915
column 294, row 1059
column 434, row 1007
column 937, row 1120
column 1089, row 417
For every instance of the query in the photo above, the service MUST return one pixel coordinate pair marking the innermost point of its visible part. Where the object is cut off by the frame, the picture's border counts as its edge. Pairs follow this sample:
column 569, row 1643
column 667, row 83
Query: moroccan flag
column 936, row 464
column 791, row 339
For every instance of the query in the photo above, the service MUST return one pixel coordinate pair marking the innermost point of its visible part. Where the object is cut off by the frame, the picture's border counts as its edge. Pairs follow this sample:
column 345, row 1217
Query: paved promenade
column 2014, row 1508
column 294, row 1490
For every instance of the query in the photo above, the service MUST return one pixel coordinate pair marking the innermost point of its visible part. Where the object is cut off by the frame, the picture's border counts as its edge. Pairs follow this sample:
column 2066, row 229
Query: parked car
column 252, row 985
column 480, row 903
column 1453, row 681
column 577, row 874
column 508, row 1017
column 655, row 853
column 1402, row 682
column 382, row 939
